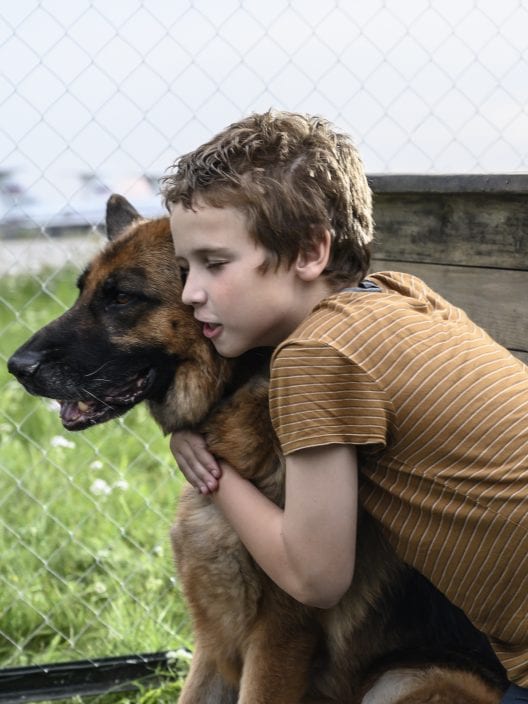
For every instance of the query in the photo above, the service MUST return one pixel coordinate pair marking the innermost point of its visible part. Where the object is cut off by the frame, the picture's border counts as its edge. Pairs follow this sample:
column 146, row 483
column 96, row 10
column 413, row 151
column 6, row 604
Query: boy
column 272, row 226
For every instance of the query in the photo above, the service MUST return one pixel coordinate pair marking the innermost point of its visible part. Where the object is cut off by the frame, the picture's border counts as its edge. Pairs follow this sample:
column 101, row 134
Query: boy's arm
column 308, row 548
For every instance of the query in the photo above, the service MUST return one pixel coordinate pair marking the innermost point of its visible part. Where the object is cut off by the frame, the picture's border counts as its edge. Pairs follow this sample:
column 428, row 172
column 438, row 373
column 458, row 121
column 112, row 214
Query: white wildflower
column 100, row 488
column 181, row 654
column 96, row 464
column 120, row 484
column 61, row 441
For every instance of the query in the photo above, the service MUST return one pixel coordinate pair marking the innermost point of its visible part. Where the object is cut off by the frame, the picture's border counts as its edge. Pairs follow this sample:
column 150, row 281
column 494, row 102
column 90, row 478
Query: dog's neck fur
column 201, row 385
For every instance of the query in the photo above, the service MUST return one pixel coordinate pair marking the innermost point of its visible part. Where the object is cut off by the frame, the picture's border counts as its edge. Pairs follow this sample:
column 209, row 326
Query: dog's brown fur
column 434, row 685
column 129, row 338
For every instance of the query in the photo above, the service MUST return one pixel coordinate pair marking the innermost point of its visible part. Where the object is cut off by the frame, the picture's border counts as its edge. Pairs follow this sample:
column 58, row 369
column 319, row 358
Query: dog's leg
column 277, row 663
column 204, row 685
column 433, row 685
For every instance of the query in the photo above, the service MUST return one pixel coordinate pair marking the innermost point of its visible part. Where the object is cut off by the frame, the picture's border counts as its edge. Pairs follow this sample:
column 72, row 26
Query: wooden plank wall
column 467, row 237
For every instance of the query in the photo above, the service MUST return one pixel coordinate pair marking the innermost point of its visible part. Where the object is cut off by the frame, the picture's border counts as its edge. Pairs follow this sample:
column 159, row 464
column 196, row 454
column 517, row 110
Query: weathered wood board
column 495, row 300
column 467, row 237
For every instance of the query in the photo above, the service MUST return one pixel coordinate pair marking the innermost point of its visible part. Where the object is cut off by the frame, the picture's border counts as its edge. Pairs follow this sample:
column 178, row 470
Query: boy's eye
column 215, row 264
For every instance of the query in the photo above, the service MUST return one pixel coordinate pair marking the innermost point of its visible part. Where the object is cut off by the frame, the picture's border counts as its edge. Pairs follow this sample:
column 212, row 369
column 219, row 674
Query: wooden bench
column 467, row 237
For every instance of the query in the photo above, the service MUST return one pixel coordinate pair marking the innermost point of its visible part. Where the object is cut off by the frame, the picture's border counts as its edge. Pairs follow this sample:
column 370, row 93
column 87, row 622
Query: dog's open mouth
column 81, row 414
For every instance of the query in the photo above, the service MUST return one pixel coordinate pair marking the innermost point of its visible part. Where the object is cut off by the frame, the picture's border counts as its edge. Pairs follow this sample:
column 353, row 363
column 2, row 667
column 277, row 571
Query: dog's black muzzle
column 24, row 364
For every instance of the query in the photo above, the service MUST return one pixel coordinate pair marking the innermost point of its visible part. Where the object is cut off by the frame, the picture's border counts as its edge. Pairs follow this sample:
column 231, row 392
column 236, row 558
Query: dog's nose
column 24, row 363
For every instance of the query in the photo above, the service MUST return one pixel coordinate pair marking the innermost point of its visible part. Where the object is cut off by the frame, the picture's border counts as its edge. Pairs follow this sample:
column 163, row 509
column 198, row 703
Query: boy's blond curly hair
column 292, row 176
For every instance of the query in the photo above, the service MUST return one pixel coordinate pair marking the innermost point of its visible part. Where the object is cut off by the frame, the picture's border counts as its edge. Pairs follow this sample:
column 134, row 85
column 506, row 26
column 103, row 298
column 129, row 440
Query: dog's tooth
column 82, row 406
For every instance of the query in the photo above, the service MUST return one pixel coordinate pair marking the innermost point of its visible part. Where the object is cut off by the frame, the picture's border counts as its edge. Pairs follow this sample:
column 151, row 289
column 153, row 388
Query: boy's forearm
column 286, row 550
column 258, row 523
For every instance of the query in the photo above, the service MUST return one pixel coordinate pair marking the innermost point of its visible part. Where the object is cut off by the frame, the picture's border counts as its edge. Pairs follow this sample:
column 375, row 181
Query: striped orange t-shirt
column 439, row 412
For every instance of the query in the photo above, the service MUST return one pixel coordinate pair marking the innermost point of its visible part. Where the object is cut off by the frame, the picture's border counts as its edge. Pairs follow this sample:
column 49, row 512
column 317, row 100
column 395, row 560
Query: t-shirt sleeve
column 318, row 396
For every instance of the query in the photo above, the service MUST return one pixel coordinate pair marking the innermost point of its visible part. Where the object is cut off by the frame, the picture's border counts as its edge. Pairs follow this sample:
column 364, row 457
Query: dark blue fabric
column 515, row 695
column 365, row 285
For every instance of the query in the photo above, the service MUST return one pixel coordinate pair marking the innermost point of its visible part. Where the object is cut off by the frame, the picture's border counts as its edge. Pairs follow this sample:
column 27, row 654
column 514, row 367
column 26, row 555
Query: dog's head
column 127, row 338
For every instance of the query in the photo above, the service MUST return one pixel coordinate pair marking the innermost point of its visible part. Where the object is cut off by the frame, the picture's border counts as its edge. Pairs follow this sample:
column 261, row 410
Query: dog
column 128, row 338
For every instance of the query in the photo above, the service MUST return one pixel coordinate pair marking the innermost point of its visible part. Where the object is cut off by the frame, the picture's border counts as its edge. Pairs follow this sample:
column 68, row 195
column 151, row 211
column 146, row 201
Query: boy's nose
column 192, row 295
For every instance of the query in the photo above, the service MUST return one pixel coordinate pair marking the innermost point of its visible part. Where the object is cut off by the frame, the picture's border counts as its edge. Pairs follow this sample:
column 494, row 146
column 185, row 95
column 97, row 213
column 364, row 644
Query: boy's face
column 240, row 306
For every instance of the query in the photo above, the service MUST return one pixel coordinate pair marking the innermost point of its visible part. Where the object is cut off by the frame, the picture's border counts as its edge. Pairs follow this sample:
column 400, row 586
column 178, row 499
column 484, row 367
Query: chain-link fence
column 98, row 97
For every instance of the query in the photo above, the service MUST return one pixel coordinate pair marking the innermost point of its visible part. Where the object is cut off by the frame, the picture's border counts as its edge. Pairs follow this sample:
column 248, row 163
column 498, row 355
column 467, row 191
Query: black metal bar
column 82, row 677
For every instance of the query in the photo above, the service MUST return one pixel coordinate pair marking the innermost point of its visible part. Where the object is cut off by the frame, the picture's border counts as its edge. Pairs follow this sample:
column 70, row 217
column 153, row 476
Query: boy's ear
column 311, row 262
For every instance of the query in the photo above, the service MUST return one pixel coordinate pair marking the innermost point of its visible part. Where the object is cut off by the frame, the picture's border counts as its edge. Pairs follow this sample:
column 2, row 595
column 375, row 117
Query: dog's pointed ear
column 120, row 214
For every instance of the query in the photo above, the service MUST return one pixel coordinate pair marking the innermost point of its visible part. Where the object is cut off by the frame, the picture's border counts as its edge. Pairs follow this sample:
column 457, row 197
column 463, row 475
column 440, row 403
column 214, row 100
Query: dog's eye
column 122, row 298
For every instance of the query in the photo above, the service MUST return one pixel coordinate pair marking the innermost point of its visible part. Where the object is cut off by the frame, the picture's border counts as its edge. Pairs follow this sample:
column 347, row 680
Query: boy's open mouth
column 211, row 330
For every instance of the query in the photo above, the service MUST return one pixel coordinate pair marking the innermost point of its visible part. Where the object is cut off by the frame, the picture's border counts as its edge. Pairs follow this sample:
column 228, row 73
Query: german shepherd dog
column 128, row 338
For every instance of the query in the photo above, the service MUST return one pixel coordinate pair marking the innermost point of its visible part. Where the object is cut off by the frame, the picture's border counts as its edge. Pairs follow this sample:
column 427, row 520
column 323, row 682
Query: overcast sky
column 120, row 88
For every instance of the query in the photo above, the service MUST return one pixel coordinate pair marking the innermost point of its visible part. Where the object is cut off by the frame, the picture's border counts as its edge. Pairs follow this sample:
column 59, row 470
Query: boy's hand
column 195, row 461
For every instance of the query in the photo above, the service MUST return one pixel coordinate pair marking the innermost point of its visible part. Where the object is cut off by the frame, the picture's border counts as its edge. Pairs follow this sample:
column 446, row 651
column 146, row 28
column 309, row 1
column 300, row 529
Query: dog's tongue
column 72, row 411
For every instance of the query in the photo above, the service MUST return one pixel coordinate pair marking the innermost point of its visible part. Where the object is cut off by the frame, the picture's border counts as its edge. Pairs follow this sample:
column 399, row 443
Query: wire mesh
column 98, row 97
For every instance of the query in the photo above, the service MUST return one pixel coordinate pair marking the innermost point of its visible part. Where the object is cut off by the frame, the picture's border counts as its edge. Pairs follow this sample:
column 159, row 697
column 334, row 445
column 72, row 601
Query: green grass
column 84, row 517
